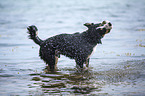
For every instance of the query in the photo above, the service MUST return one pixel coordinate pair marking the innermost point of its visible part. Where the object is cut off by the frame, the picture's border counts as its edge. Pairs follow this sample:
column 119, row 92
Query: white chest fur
column 94, row 49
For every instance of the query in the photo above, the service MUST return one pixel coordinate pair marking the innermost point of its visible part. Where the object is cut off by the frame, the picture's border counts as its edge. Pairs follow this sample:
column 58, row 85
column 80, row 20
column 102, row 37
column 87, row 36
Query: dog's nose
column 109, row 24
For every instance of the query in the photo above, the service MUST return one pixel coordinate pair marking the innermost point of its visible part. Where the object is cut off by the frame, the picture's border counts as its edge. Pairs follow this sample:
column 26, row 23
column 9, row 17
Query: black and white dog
column 78, row 46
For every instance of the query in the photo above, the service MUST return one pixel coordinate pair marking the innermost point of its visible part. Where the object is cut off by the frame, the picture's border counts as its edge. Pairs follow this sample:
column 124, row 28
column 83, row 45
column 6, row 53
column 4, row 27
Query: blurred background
column 116, row 68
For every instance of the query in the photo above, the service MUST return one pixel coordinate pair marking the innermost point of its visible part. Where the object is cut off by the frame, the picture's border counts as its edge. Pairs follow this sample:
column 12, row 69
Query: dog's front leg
column 87, row 62
column 79, row 63
column 56, row 61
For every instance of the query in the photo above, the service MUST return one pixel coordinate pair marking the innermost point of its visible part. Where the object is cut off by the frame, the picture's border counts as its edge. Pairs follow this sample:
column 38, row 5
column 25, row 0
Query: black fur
column 78, row 46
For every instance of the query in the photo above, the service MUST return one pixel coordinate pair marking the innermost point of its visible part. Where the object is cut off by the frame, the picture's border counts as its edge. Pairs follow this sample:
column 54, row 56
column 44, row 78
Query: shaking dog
column 77, row 46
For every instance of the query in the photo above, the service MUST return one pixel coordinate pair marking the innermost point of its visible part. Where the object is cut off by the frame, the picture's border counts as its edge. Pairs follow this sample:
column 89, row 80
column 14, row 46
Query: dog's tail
column 32, row 31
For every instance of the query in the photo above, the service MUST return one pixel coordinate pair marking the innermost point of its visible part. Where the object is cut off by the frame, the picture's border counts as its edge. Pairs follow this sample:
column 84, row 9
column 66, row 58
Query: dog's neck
column 93, row 36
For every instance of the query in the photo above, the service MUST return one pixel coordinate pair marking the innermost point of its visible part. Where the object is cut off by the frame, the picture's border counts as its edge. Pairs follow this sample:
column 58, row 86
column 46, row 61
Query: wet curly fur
column 78, row 46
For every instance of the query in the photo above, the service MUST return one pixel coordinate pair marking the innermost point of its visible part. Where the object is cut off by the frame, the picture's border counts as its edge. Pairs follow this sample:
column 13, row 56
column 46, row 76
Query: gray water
column 116, row 68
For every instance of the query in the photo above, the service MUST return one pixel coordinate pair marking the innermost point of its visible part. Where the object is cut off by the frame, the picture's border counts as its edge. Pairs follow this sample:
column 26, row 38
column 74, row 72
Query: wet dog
column 78, row 46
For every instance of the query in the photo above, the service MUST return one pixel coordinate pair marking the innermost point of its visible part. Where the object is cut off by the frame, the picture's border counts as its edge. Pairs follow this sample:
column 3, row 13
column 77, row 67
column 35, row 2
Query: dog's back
column 78, row 46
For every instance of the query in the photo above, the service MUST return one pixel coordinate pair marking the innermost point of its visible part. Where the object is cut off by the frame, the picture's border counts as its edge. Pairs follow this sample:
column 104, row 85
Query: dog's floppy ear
column 88, row 24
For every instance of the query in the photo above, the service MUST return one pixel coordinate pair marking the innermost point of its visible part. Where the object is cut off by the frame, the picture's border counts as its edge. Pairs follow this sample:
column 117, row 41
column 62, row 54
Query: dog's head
column 101, row 28
column 105, row 28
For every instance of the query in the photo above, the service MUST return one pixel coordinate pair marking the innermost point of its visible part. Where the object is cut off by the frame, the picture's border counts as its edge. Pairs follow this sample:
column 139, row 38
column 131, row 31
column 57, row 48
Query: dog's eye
column 109, row 24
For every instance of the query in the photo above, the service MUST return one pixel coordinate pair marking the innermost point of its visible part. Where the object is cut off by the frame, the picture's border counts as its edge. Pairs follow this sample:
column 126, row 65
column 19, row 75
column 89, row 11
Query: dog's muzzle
column 107, row 25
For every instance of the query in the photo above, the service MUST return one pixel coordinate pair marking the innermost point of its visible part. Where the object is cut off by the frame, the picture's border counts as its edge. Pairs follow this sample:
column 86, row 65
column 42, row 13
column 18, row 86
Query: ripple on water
column 90, row 82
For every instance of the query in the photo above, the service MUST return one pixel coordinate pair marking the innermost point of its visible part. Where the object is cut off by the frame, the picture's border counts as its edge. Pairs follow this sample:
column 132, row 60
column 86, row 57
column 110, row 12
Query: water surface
column 116, row 68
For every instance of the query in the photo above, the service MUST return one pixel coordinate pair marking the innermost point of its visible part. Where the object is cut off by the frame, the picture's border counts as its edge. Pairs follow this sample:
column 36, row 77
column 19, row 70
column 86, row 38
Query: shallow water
column 116, row 68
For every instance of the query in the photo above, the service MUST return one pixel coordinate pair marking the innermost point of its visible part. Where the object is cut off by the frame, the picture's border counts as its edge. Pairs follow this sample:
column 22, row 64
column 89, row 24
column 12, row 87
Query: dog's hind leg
column 52, row 63
column 48, row 55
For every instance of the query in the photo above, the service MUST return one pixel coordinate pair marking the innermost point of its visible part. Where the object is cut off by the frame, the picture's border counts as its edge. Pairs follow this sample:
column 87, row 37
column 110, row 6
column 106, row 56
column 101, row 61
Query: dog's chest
column 94, row 49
